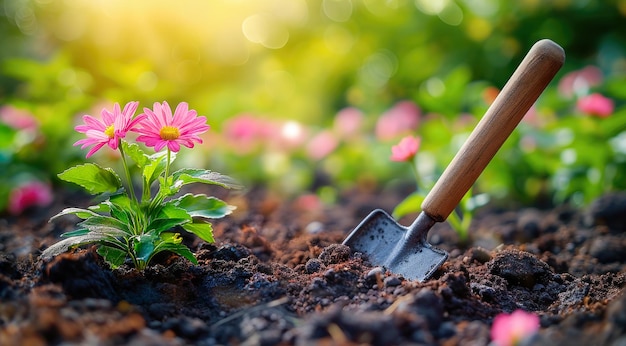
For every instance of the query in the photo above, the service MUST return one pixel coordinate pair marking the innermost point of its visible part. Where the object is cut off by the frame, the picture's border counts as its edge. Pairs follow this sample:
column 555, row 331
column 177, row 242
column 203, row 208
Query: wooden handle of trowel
column 532, row 76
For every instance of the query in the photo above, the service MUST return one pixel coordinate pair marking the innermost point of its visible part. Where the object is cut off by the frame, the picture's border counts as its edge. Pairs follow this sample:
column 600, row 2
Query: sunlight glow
column 338, row 10
column 292, row 131
column 447, row 10
column 265, row 30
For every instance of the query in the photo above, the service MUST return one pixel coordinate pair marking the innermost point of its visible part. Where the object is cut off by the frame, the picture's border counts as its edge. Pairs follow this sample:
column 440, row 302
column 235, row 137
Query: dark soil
column 279, row 276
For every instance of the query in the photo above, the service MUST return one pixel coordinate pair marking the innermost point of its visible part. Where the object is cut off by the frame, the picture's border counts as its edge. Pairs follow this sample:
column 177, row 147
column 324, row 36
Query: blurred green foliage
column 294, row 65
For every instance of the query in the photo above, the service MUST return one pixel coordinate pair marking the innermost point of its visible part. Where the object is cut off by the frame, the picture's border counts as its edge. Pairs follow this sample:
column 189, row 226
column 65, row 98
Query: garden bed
column 277, row 274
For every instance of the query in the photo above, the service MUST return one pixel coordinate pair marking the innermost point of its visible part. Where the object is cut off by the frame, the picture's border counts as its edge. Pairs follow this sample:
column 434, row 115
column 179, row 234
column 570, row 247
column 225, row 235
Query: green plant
column 570, row 147
column 124, row 225
column 592, row 155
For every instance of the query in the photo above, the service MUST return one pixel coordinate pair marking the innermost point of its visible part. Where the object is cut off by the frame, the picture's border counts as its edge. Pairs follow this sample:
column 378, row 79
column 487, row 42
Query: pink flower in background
column 321, row 145
column 348, row 122
column 308, row 202
column 403, row 117
column 532, row 117
column 580, row 81
column 246, row 132
column 511, row 329
column 30, row 194
column 18, row 118
column 244, row 128
column 406, row 149
column 161, row 129
column 595, row 104
column 110, row 130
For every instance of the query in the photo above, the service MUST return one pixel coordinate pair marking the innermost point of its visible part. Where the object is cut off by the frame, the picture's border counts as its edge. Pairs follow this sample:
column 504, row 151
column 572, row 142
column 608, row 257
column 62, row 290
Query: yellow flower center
column 110, row 131
column 169, row 133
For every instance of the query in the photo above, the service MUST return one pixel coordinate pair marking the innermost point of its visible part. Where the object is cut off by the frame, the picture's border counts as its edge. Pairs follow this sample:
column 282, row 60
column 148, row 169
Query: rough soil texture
column 279, row 276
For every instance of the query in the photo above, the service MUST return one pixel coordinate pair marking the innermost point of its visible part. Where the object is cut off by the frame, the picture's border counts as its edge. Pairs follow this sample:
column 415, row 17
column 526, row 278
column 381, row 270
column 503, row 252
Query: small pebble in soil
column 519, row 268
column 329, row 275
column 95, row 304
column 574, row 294
column 231, row 252
column 185, row 326
column 374, row 276
column 314, row 227
column 608, row 249
column 313, row 265
column 431, row 306
column 446, row 330
column 529, row 225
column 487, row 293
column 318, row 287
column 608, row 210
column 335, row 253
column 479, row 255
column 365, row 328
column 392, row 281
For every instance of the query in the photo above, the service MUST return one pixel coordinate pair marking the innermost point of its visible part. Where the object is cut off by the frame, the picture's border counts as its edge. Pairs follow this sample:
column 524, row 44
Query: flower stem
column 167, row 164
column 131, row 190
column 415, row 173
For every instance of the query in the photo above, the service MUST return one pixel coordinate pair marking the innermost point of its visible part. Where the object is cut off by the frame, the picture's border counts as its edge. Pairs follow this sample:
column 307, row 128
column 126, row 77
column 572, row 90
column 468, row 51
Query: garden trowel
column 405, row 250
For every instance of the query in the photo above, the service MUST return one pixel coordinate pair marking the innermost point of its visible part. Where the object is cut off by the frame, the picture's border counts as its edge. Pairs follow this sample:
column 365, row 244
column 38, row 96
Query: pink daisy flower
column 110, row 130
column 406, row 149
column 161, row 129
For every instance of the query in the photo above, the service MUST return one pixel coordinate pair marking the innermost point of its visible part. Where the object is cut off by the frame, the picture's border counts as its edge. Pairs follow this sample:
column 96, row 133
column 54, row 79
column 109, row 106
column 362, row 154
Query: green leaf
column 476, row 201
column 92, row 178
column 68, row 243
column 122, row 201
column 135, row 153
column 121, row 207
column 144, row 247
column 180, row 250
column 159, row 225
column 114, row 256
column 81, row 213
column 156, row 166
column 167, row 189
column 170, row 210
column 75, row 233
column 411, row 204
column 170, row 237
column 172, row 242
column 101, row 207
column 162, row 155
column 203, row 230
column 460, row 226
column 153, row 169
column 193, row 175
column 105, row 225
column 204, row 206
